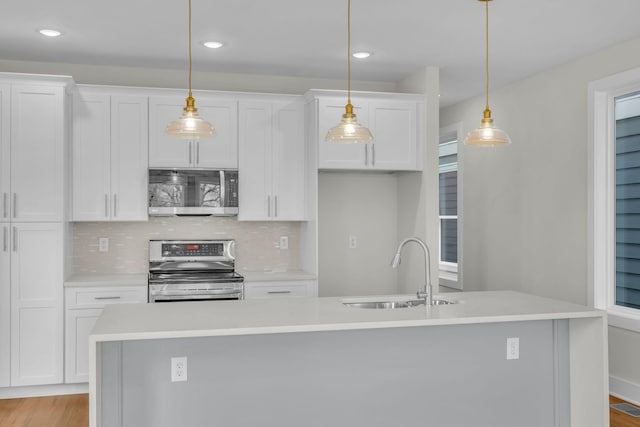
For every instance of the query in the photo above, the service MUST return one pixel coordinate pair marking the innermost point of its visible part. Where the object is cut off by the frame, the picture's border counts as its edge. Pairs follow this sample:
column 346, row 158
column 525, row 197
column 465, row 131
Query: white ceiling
column 307, row 38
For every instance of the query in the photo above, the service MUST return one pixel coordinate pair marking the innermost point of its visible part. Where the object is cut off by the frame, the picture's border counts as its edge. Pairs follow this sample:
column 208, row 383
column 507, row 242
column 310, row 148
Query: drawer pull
column 278, row 292
column 103, row 298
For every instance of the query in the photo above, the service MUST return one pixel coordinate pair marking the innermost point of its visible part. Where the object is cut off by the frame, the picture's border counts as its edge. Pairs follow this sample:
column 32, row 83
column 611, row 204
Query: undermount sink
column 395, row 304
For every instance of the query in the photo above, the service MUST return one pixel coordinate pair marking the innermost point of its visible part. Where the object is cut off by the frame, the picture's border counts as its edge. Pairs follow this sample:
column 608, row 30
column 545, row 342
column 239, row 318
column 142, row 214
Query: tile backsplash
column 257, row 243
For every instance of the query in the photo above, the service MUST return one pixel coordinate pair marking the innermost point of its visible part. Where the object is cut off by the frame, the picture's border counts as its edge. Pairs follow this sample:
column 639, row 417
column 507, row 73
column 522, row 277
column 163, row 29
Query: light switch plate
column 513, row 348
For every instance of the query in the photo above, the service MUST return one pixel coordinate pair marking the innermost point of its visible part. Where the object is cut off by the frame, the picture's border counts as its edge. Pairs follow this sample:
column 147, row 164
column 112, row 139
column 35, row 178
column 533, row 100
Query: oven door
column 195, row 292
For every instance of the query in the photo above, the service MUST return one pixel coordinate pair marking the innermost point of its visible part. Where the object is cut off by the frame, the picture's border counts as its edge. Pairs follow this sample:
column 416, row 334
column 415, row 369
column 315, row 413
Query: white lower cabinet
column 83, row 307
column 281, row 289
column 31, row 321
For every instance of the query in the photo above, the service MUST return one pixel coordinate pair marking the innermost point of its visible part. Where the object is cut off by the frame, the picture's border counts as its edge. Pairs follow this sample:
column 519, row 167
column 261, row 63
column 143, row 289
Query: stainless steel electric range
column 193, row 270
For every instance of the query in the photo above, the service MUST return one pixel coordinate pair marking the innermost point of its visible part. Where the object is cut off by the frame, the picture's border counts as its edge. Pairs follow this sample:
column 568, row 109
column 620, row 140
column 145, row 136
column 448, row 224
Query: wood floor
column 618, row 419
column 53, row 411
column 73, row 411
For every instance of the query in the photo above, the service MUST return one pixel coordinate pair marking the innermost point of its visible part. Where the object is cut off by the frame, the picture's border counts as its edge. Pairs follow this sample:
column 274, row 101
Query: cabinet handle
column 278, row 292
column 197, row 152
column 103, row 298
column 275, row 209
column 5, row 244
column 106, row 205
column 190, row 154
column 115, row 205
column 366, row 155
column 15, row 205
column 4, row 205
column 15, row 239
column 268, row 205
column 373, row 155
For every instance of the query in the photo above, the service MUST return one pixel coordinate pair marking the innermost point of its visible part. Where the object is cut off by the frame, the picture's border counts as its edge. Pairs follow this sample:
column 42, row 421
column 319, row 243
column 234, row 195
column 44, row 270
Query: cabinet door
column 221, row 150
column 254, row 172
column 218, row 151
column 91, row 157
column 340, row 156
column 79, row 323
column 37, row 150
column 289, row 162
column 393, row 124
column 36, row 304
column 280, row 289
column 129, row 158
column 166, row 151
column 5, row 305
column 5, row 159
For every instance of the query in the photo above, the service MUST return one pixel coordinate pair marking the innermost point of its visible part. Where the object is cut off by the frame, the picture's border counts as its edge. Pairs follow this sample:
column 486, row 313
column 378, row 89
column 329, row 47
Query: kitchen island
column 316, row 362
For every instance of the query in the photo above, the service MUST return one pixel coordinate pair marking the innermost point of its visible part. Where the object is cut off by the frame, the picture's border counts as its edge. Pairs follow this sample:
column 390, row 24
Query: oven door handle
column 192, row 297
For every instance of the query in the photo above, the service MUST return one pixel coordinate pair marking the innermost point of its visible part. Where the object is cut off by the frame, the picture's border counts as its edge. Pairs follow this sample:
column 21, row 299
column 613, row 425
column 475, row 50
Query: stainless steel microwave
column 193, row 192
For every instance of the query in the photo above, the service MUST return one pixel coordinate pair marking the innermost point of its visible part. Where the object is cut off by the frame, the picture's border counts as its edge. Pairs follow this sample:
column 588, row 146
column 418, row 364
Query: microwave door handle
column 198, row 152
column 223, row 189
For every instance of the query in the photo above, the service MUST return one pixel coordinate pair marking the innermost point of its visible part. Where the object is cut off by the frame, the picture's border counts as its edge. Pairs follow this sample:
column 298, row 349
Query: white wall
column 363, row 205
column 525, row 205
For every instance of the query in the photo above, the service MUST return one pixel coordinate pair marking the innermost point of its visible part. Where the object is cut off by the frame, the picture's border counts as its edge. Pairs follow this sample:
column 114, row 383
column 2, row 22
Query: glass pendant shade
column 349, row 131
column 190, row 124
column 487, row 135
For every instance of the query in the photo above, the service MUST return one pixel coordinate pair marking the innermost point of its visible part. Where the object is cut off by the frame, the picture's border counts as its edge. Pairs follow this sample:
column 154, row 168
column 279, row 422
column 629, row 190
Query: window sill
column 449, row 280
column 625, row 318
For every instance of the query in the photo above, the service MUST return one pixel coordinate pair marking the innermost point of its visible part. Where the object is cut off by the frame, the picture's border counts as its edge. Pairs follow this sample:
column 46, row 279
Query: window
column 449, row 190
column 614, row 198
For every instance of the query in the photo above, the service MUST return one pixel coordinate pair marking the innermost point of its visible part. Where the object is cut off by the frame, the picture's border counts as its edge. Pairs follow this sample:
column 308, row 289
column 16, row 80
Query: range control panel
column 192, row 249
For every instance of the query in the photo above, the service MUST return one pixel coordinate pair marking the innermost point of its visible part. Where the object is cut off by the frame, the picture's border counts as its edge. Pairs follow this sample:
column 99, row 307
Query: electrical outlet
column 178, row 369
column 513, row 348
column 353, row 242
column 284, row 242
column 103, row 244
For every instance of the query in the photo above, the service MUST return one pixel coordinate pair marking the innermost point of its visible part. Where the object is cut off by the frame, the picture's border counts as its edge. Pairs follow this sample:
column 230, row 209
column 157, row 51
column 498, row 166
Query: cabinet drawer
column 99, row 297
column 283, row 289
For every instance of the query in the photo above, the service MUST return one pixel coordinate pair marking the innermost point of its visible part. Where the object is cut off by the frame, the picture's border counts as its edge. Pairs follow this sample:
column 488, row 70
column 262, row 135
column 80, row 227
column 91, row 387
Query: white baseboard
column 43, row 390
column 624, row 390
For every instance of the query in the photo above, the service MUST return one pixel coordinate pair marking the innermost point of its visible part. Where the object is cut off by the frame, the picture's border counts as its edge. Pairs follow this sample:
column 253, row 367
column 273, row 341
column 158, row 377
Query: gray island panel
column 443, row 376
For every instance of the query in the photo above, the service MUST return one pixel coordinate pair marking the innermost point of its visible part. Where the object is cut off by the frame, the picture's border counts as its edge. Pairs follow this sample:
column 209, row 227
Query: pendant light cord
column 486, row 57
column 349, row 51
column 190, row 67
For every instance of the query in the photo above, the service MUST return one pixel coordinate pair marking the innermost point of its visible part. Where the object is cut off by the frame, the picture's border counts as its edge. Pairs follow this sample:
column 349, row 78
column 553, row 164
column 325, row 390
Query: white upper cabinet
column 5, row 154
column 340, row 156
column 110, row 164
column 219, row 151
column 395, row 120
column 272, row 164
column 34, row 191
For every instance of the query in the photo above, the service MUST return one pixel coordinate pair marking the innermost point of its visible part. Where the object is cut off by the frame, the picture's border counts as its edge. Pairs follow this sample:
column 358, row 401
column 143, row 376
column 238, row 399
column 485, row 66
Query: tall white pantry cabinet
column 33, row 134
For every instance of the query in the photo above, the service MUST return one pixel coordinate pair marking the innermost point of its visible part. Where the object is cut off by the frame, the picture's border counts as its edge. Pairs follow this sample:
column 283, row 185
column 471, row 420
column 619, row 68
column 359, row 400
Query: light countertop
column 286, row 315
column 91, row 280
column 276, row 276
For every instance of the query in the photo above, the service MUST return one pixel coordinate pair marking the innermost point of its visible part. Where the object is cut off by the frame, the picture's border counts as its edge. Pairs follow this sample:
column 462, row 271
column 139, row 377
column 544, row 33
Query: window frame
column 450, row 274
column 601, row 233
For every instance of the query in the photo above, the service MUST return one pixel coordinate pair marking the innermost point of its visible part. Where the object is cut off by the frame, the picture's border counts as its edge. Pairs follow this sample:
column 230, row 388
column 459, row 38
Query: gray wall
column 525, row 224
column 379, row 377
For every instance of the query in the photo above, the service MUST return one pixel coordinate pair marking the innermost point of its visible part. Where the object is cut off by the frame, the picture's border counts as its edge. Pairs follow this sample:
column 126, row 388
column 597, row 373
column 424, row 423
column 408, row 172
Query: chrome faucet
column 425, row 293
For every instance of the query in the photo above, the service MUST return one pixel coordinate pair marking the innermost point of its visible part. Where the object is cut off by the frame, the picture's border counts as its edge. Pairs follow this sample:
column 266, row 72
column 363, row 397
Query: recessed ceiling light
column 362, row 55
column 48, row 32
column 213, row 45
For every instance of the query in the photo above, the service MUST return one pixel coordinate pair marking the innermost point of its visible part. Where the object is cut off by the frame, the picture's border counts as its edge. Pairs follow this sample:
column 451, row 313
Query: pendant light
column 349, row 131
column 487, row 135
column 190, row 124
